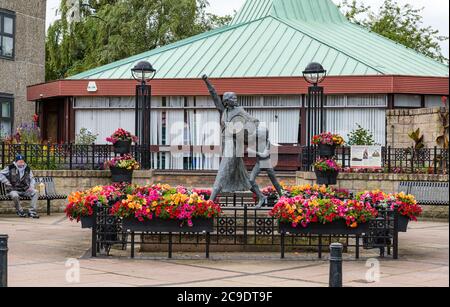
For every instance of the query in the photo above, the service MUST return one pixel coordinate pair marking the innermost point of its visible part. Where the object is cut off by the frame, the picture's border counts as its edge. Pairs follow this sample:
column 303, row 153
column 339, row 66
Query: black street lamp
column 314, row 74
column 143, row 72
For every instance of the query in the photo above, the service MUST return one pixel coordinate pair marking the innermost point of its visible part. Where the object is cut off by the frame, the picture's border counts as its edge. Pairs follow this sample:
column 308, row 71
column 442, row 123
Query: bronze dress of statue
column 235, row 123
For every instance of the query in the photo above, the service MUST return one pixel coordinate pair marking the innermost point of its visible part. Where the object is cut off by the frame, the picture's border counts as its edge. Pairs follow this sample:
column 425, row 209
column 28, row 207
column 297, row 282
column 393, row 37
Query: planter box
column 168, row 226
column 327, row 151
column 120, row 175
column 122, row 147
column 335, row 228
column 87, row 222
column 327, row 178
column 403, row 222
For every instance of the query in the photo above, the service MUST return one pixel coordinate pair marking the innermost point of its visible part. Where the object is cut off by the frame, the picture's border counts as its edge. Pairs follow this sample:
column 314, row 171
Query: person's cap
column 19, row 158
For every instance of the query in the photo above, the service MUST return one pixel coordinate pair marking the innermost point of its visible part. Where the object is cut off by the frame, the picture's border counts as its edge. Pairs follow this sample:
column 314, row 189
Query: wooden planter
column 120, row 175
column 168, row 226
column 335, row 228
column 327, row 178
column 122, row 147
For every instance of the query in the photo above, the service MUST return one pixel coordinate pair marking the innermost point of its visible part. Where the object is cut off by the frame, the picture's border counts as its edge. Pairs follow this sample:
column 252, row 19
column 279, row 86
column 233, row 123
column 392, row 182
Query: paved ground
column 39, row 251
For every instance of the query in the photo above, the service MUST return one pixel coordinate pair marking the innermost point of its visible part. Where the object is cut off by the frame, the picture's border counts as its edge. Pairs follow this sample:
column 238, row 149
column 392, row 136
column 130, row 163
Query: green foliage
column 360, row 137
column 85, row 137
column 110, row 30
column 417, row 138
column 402, row 24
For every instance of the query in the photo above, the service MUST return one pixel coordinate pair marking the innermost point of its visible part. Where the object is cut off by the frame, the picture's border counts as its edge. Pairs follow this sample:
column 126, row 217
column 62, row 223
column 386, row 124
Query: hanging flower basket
column 334, row 228
column 122, row 147
column 327, row 177
column 199, row 225
column 120, row 175
column 327, row 151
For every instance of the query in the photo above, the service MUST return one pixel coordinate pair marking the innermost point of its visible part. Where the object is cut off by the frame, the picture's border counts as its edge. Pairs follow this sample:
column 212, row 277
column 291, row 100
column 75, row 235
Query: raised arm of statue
column 214, row 95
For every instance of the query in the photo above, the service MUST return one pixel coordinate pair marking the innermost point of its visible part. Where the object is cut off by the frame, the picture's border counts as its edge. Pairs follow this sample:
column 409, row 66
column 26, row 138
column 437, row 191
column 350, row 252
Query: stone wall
column 400, row 122
column 70, row 181
column 28, row 66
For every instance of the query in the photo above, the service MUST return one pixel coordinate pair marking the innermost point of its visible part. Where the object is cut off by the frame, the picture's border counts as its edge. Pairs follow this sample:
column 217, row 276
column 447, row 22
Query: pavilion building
column 260, row 55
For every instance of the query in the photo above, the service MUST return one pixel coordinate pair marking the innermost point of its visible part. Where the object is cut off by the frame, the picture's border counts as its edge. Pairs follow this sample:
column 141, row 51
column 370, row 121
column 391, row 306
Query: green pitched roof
column 278, row 38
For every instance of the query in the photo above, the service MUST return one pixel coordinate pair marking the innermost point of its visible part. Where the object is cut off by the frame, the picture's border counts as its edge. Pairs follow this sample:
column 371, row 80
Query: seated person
column 19, row 182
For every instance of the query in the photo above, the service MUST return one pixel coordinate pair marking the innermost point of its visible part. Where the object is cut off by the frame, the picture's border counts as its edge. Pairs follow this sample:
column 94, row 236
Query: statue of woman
column 235, row 124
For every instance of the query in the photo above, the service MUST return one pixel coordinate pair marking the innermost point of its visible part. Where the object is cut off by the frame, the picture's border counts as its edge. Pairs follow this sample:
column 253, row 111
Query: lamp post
column 314, row 74
column 143, row 72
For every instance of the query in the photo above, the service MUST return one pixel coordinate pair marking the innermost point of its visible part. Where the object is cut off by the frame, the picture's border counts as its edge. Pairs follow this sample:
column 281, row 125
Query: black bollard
column 336, row 265
column 3, row 261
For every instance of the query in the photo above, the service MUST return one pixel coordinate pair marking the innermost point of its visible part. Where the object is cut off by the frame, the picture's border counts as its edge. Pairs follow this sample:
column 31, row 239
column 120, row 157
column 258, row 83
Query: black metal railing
column 291, row 158
column 241, row 225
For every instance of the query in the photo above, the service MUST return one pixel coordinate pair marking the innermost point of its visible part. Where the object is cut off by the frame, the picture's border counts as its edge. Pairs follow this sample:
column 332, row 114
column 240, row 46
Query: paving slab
column 44, row 253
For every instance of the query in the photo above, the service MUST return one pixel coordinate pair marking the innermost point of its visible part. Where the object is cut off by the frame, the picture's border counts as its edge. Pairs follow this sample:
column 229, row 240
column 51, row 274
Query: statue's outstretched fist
column 205, row 77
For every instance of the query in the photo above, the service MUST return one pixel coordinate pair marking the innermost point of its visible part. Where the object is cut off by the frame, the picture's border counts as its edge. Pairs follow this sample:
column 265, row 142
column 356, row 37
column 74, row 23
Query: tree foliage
column 402, row 24
column 110, row 30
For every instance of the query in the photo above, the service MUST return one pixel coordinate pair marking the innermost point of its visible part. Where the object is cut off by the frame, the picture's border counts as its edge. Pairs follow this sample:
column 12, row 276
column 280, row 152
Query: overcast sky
column 436, row 13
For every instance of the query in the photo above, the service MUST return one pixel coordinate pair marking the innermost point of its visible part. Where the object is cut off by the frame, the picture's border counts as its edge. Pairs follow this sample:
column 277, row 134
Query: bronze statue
column 236, row 124
column 263, row 162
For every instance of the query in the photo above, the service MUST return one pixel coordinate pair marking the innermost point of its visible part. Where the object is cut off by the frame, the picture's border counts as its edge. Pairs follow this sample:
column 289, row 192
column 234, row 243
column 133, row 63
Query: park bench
column 427, row 193
column 50, row 192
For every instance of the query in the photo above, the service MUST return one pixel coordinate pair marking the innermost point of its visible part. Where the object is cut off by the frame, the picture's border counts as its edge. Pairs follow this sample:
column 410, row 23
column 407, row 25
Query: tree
column 110, row 30
column 402, row 24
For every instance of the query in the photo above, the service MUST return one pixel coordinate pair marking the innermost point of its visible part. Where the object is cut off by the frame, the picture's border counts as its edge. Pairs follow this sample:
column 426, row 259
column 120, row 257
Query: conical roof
column 278, row 38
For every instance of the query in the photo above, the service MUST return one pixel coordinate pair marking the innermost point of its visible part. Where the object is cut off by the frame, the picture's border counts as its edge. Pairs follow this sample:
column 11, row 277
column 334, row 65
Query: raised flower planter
column 334, row 228
column 327, row 177
column 327, row 171
column 87, row 222
column 122, row 168
column 403, row 222
column 327, row 143
column 122, row 147
column 120, row 175
column 327, row 150
column 199, row 225
column 121, row 140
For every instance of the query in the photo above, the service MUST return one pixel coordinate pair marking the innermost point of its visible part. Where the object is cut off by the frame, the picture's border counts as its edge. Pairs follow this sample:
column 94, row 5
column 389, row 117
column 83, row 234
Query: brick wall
column 399, row 123
column 28, row 65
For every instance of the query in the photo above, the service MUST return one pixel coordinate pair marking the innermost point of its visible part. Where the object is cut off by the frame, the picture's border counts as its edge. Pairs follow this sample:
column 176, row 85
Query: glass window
column 7, row 29
column 6, row 105
column 408, row 101
column 7, row 46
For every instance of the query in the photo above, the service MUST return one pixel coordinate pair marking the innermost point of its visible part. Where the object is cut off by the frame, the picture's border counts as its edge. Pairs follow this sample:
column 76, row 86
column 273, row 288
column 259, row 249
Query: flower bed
column 144, row 203
column 306, row 205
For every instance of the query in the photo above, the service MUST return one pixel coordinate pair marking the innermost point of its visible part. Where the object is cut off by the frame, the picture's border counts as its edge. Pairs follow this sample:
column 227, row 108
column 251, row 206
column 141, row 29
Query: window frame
column 7, row 98
column 12, row 15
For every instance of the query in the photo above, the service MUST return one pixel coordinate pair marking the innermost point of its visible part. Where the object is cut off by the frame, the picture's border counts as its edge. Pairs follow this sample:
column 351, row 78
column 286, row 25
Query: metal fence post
column 3, row 261
column 389, row 158
column 336, row 265
column 435, row 159
column 94, row 231
column 3, row 155
column 93, row 156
